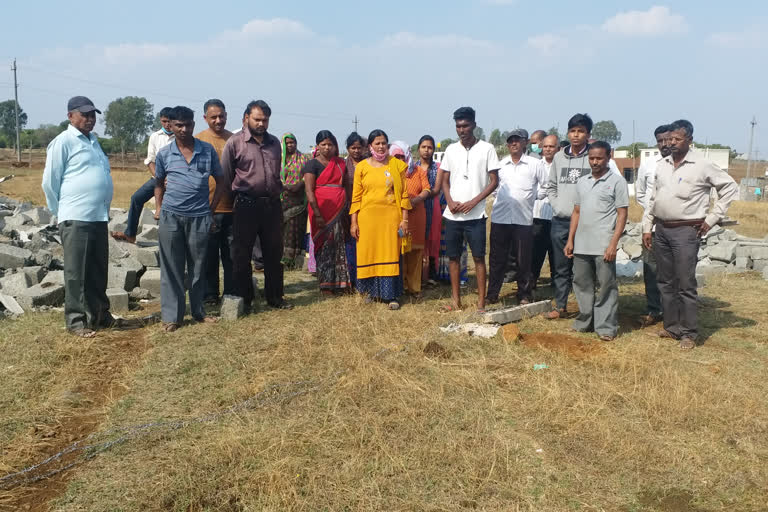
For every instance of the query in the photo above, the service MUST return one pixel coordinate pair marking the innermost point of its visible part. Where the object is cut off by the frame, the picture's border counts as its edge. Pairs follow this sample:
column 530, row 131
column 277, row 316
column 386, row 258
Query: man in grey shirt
column 601, row 201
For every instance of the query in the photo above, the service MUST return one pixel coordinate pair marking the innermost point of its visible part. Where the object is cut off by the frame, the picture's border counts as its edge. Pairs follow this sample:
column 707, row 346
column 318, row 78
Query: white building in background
column 720, row 157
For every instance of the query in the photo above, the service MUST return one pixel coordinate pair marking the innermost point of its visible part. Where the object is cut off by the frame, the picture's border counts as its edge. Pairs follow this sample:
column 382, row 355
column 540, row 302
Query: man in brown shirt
column 251, row 163
column 678, row 207
column 220, row 239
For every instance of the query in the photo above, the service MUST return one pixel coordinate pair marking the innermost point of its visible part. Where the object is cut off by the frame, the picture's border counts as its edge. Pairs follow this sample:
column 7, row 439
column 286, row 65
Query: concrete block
column 15, row 284
column 517, row 313
column 10, row 304
column 149, row 233
column 36, row 274
column 743, row 262
column 148, row 256
column 132, row 263
column 147, row 217
column 120, row 277
column 14, row 257
column 151, row 281
column 118, row 250
column 759, row 265
column 724, row 251
column 54, row 276
column 40, row 216
column 43, row 258
column 743, row 251
column 118, row 220
column 43, row 294
column 759, row 253
column 18, row 220
column 118, row 300
column 232, row 307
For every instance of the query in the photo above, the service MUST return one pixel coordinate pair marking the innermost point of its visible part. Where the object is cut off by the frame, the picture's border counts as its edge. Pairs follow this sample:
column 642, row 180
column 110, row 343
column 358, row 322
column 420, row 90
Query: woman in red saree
column 325, row 184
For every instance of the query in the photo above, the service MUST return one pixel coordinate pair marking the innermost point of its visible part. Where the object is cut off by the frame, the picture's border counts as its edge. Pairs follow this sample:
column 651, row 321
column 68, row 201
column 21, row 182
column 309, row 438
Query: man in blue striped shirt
column 78, row 188
column 182, row 169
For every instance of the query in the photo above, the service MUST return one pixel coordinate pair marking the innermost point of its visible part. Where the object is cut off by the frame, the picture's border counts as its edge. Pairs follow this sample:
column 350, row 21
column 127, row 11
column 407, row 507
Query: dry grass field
column 362, row 408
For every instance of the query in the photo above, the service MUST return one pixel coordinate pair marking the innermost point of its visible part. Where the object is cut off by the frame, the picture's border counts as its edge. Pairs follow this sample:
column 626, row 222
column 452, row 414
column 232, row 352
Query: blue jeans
column 138, row 199
column 561, row 267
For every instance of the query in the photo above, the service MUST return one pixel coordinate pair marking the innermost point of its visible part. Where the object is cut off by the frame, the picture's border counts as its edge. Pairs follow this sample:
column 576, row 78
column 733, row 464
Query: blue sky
column 405, row 66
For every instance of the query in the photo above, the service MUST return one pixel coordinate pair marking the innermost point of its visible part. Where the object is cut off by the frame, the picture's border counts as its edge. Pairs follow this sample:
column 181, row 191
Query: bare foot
column 119, row 235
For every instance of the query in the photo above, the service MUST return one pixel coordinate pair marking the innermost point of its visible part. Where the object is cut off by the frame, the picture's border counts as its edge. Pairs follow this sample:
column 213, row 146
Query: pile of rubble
column 32, row 266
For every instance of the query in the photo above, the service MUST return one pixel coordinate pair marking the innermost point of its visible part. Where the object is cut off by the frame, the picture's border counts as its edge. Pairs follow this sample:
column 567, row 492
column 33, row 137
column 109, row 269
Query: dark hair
column 601, row 144
column 581, row 120
column 180, row 113
column 377, row 133
column 541, row 133
column 682, row 124
column 261, row 105
column 165, row 112
column 355, row 137
column 467, row 113
column 429, row 138
column 213, row 103
column 564, row 144
column 661, row 129
column 326, row 134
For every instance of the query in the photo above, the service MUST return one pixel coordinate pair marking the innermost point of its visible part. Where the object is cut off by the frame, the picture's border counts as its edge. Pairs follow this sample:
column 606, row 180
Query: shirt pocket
column 686, row 187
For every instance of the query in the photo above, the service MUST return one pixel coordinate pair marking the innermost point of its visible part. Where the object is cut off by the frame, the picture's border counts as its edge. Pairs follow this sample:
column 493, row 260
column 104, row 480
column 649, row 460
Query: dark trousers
column 86, row 264
column 560, row 266
column 542, row 245
column 183, row 246
column 219, row 243
column 262, row 218
column 676, row 251
column 138, row 199
column 652, row 293
column 517, row 239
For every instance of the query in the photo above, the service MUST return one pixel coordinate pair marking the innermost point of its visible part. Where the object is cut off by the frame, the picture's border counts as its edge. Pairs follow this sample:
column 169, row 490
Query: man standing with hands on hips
column 678, row 208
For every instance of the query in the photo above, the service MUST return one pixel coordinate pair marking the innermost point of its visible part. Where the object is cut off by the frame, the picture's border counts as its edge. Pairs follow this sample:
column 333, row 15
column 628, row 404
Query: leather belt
column 680, row 223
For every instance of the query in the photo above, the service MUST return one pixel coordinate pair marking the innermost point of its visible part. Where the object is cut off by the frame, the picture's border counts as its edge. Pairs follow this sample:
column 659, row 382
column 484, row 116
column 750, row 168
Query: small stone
column 118, row 299
column 140, row 294
column 151, row 281
column 232, row 307
column 702, row 254
column 510, row 333
column 118, row 250
column 622, row 256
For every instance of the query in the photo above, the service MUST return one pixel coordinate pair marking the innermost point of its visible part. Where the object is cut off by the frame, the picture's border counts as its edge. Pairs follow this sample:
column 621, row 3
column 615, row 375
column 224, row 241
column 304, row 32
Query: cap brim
column 88, row 108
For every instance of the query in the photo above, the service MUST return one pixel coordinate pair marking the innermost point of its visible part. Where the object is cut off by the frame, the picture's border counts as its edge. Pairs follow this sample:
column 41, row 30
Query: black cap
column 519, row 132
column 81, row 103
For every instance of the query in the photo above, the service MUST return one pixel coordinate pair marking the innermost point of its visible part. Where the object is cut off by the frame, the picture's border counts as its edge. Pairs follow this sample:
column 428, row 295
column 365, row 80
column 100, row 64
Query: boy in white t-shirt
column 472, row 167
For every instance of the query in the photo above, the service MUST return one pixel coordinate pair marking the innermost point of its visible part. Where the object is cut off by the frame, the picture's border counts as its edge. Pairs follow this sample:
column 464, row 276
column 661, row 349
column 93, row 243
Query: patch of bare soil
column 569, row 345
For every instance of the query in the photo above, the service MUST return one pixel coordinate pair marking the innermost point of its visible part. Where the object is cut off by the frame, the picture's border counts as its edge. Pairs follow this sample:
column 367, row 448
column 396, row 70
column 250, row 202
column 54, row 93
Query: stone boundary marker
column 517, row 313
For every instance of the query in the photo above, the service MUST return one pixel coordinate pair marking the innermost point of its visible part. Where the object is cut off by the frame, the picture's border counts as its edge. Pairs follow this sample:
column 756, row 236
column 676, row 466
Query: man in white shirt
column 157, row 141
column 471, row 166
column 521, row 181
column 646, row 178
column 542, row 214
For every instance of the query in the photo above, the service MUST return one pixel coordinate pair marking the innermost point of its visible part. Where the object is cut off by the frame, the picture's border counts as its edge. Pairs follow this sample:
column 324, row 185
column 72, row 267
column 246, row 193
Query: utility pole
column 633, row 148
column 16, row 103
column 356, row 121
column 751, row 140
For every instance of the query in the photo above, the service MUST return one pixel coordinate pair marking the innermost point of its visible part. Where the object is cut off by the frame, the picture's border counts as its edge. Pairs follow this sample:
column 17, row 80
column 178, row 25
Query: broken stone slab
column 120, row 277
column 140, row 294
column 622, row 256
column 759, row 253
column 35, row 273
column 148, row 256
column 43, row 258
column 486, row 330
column 702, row 254
column 118, row 220
column 743, row 262
column 232, row 307
column 40, row 216
column 15, row 284
column 118, row 299
column 517, row 313
column 132, row 263
column 724, row 251
column 14, row 257
column 43, row 294
column 715, row 231
column 10, row 304
column 118, row 250
column 149, row 233
column 54, row 276
column 759, row 265
column 151, row 281
column 728, row 235
column 147, row 217
column 633, row 249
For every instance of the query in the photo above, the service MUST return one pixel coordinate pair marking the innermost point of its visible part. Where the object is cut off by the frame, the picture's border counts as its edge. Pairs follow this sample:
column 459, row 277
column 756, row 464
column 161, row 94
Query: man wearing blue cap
column 78, row 188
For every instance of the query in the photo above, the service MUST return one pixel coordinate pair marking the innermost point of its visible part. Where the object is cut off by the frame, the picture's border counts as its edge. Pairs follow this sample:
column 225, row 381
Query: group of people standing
column 381, row 221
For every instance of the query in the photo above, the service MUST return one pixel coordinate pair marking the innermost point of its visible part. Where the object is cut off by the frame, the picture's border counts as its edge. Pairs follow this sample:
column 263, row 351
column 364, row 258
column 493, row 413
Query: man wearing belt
column 678, row 208
column 251, row 162
column 542, row 215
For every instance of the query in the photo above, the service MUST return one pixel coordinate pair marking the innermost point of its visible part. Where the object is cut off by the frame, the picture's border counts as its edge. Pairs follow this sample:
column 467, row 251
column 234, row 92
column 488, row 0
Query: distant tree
column 553, row 131
column 479, row 133
column 496, row 138
column 444, row 144
column 109, row 146
column 8, row 120
column 27, row 139
column 45, row 133
column 607, row 131
column 127, row 120
column 732, row 151
column 633, row 150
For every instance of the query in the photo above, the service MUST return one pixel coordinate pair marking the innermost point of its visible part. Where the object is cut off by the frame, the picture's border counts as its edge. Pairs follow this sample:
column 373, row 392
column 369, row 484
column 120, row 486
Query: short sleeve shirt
column 186, row 189
column 598, row 201
column 313, row 167
column 468, row 176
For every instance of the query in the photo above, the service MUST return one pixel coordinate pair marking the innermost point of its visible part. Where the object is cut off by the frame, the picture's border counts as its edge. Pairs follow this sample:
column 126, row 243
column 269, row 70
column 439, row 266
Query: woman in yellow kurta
column 380, row 221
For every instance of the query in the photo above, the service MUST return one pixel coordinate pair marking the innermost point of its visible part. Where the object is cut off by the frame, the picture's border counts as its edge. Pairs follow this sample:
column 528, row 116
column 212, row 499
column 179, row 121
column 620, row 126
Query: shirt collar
column 508, row 160
column 569, row 150
column 174, row 146
column 602, row 178
column 248, row 136
column 77, row 133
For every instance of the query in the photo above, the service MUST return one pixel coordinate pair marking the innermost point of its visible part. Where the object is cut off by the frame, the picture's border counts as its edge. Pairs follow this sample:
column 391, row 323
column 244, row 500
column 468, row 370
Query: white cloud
column 750, row 39
column 547, row 45
column 441, row 42
column 657, row 20
column 277, row 27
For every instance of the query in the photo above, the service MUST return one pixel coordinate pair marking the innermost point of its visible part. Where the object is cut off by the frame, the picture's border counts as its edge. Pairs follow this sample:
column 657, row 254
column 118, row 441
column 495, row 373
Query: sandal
column 394, row 305
column 449, row 308
column 83, row 332
column 170, row 326
column 687, row 343
column 666, row 334
column 555, row 314
column 605, row 337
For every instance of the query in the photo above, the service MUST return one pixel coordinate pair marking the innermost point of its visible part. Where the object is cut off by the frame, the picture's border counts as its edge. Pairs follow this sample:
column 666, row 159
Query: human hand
column 568, row 250
column 320, row 220
column 404, row 227
column 610, row 253
column 454, row 206
column 157, row 214
column 354, row 230
column 703, row 230
column 648, row 241
column 468, row 206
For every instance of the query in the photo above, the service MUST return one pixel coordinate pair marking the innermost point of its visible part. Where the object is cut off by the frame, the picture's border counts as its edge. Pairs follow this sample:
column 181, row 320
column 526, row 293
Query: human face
column 465, row 130
column 356, row 151
column 257, row 122
column 216, row 117
column 598, row 160
column 380, row 145
column 183, row 130
column 517, row 146
column 290, row 146
column 679, row 142
column 578, row 136
column 662, row 142
column 549, row 146
column 326, row 149
column 426, row 150
column 165, row 123
column 83, row 122
column 536, row 138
